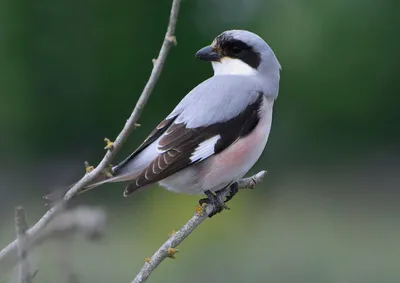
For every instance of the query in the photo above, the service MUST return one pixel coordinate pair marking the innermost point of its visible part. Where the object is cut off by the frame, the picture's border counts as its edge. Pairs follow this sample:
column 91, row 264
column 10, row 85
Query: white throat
column 231, row 66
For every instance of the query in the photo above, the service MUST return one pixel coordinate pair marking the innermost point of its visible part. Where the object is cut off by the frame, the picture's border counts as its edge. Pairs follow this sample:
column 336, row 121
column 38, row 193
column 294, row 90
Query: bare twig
column 131, row 123
column 88, row 221
column 251, row 182
column 168, row 249
column 24, row 274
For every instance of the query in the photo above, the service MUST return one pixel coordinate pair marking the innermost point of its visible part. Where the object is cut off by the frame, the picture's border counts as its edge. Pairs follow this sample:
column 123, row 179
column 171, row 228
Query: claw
column 216, row 201
column 203, row 202
column 221, row 201
column 234, row 189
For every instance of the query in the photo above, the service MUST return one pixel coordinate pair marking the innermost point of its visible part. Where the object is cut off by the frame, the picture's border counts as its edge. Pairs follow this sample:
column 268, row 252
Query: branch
column 90, row 222
column 24, row 275
column 130, row 125
column 168, row 249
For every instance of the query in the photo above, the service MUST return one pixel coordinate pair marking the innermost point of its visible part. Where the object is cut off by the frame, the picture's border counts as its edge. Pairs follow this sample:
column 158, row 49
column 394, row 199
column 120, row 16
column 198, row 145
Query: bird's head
column 240, row 52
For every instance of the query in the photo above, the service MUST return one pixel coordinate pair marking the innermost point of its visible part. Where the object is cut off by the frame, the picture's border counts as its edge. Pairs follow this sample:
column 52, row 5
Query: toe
column 204, row 201
column 234, row 188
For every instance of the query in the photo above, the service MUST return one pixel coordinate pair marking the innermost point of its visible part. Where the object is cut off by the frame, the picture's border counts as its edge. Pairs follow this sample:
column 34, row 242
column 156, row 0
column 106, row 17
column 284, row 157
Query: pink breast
column 235, row 161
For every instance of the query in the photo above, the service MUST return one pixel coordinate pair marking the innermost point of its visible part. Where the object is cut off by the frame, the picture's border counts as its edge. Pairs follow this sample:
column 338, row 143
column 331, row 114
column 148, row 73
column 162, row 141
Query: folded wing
column 180, row 146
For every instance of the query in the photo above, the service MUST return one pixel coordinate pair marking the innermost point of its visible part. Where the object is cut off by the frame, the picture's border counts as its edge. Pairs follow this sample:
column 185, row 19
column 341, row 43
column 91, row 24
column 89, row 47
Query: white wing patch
column 205, row 149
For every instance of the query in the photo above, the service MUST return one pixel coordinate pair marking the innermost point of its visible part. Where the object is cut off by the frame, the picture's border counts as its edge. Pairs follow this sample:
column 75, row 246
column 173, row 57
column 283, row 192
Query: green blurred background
column 328, row 211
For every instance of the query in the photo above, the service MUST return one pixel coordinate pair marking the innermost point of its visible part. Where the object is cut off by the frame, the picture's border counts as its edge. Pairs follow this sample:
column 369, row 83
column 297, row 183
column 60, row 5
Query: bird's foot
column 234, row 188
column 217, row 202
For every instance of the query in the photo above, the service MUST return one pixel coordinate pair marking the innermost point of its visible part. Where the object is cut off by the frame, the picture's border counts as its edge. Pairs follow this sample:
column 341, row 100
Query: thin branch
column 88, row 221
column 24, row 275
column 168, row 249
column 130, row 125
column 251, row 182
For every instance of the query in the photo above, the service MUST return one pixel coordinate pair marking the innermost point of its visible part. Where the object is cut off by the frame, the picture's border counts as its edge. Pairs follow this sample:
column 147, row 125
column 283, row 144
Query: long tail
column 59, row 193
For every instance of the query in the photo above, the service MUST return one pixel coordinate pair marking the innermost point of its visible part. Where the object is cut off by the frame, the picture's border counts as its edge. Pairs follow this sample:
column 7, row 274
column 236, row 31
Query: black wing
column 179, row 143
column 154, row 135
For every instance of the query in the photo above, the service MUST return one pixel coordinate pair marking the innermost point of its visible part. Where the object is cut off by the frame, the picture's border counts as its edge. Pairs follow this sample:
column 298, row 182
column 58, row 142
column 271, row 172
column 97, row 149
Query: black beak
column 208, row 54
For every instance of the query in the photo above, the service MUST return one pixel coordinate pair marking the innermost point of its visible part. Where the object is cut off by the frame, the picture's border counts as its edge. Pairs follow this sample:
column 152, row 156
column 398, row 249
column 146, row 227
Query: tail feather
column 59, row 193
column 132, row 188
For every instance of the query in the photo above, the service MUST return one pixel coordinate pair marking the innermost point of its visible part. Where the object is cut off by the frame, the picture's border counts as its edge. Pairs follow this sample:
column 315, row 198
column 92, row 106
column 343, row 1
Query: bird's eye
column 236, row 50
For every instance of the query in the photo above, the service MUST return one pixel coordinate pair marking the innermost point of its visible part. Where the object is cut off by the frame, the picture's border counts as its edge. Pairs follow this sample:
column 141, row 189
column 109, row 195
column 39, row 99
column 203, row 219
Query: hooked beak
column 208, row 54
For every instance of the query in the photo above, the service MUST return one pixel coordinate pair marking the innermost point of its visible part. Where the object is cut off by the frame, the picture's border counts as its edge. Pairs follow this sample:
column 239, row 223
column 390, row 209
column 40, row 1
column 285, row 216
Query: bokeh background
column 328, row 211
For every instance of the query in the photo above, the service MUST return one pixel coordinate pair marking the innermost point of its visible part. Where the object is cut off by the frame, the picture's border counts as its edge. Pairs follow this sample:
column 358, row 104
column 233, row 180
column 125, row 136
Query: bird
column 217, row 132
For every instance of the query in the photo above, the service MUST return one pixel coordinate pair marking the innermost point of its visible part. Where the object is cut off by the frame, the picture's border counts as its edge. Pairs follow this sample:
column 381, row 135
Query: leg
column 216, row 201
column 234, row 189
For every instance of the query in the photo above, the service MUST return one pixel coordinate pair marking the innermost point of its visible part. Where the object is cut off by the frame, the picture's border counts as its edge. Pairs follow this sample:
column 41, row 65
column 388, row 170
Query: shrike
column 219, row 129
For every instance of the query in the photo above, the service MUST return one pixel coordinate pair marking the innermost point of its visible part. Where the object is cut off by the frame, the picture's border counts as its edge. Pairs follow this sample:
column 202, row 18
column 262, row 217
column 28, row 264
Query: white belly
column 229, row 165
